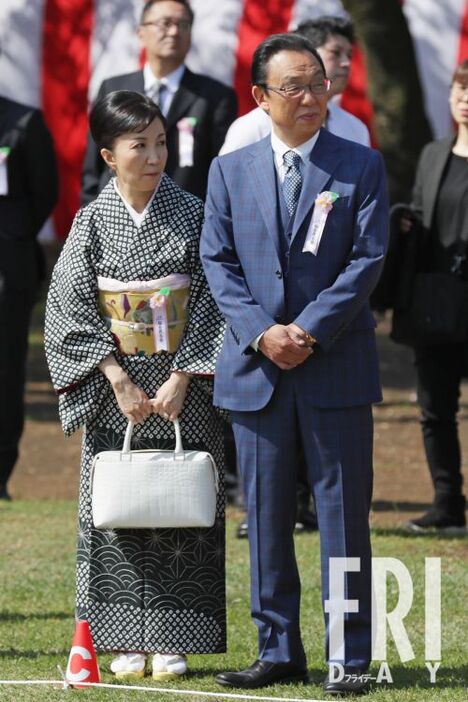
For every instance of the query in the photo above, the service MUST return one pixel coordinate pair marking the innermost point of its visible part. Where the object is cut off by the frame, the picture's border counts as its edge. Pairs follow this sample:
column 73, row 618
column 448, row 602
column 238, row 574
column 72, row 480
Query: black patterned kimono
column 142, row 590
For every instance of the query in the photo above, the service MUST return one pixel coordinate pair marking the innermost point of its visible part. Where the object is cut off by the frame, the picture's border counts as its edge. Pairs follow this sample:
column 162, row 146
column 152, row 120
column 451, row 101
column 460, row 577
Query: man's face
column 166, row 31
column 336, row 55
column 459, row 102
column 294, row 120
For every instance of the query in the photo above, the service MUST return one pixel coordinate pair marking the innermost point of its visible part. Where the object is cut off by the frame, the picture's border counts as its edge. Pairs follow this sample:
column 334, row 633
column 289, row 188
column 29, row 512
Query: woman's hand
column 132, row 400
column 406, row 222
column 170, row 397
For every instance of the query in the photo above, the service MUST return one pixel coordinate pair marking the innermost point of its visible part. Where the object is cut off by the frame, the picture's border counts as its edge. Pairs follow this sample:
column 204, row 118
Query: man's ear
column 109, row 158
column 259, row 95
column 141, row 37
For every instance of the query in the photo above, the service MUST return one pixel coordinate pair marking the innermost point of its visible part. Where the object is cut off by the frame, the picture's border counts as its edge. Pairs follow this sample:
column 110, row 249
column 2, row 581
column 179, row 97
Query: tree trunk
column 401, row 125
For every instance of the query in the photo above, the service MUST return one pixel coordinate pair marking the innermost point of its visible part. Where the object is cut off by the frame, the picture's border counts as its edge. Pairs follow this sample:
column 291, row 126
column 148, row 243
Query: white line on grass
column 162, row 689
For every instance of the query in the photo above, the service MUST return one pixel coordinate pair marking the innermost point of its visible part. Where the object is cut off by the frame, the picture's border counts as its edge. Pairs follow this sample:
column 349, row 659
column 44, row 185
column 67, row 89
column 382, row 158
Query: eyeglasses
column 165, row 23
column 296, row 91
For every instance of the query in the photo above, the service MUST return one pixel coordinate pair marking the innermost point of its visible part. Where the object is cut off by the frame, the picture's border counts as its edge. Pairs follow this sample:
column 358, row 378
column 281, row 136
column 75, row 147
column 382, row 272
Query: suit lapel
column 182, row 100
column 324, row 159
column 434, row 177
column 4, row 116
column 263, row 172
column 135, row 81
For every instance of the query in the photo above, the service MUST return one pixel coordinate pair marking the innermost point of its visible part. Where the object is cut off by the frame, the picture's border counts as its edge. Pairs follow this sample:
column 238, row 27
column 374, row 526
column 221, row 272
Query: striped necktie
column 157, row 93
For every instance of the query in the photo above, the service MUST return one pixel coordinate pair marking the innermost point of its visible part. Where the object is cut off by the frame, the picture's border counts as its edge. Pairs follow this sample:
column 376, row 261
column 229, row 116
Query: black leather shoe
column 263, row 673
column 446, row 518
column 354, row 682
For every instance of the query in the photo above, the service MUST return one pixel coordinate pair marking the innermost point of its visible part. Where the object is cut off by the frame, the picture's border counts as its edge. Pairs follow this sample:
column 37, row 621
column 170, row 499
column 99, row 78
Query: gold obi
column 145, row 317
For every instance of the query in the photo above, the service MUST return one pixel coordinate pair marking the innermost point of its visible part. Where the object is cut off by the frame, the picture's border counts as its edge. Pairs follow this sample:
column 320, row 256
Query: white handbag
column 153, row 488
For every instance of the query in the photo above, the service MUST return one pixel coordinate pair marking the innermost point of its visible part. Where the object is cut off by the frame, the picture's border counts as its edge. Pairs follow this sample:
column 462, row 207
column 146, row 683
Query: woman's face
column 139, row 158
column 459, row 102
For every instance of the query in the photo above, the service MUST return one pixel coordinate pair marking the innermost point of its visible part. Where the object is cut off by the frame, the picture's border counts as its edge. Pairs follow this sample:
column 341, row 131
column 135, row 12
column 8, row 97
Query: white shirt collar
column 171, row 81
column 137, row 217
column 279, row 149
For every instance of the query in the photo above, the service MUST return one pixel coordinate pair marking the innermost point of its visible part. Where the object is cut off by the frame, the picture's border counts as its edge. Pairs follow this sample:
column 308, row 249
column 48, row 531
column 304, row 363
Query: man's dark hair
column 319, row 30
column 273, row 45
column 149, row 4
column 120, row 112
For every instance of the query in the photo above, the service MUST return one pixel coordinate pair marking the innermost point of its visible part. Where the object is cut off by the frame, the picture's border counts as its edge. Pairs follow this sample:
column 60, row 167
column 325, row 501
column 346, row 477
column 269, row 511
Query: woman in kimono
column 143, row 591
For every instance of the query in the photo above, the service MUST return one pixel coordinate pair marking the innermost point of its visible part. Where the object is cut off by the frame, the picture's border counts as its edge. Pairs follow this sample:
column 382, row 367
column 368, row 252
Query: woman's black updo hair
column 121, row 112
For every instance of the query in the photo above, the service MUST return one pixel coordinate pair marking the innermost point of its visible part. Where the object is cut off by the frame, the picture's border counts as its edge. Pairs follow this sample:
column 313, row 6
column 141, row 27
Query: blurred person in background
column 434, row 229
column 28, row 193
column 198, row 109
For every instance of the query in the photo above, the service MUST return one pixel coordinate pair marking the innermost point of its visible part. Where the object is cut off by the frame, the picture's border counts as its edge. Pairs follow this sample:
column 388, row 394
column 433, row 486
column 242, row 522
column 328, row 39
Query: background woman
column 440, row 205
column 142, row 591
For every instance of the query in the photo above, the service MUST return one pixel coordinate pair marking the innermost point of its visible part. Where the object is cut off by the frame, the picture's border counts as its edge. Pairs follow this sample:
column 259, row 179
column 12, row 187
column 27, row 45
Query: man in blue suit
column 293, row 244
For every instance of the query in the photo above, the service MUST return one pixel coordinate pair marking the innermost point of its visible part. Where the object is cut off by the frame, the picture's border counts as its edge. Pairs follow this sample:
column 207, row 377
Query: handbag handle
column 179, row 449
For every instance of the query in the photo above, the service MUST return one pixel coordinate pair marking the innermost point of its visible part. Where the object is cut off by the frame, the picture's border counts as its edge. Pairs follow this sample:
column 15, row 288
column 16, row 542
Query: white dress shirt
column 279, row 149
column 171, row 83
column 346, row 125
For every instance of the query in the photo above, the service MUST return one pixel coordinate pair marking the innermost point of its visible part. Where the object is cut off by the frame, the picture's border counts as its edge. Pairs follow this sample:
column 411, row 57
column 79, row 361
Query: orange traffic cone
column 82, row 662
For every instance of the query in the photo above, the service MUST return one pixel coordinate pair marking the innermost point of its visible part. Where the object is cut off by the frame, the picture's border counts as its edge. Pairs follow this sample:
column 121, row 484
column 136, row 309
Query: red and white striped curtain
column 55, row 53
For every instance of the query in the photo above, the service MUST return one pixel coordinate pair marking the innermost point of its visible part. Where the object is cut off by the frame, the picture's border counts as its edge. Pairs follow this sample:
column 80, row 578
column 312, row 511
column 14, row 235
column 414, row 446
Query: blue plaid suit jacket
column 326, row 294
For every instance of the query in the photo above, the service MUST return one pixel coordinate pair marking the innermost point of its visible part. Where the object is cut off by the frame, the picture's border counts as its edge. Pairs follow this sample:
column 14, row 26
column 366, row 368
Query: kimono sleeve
column 204, row 331
column 76, row 337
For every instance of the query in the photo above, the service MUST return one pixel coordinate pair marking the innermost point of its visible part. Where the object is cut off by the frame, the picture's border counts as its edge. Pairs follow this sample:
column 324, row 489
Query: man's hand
column 300, row 336
column 407, row 221
column 278, row 344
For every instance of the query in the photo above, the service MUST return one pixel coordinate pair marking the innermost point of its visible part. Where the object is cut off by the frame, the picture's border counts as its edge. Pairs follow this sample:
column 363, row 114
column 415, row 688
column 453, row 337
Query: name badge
column 322, row 207
column 158, row 304
column 186, row 128
column 4, row 153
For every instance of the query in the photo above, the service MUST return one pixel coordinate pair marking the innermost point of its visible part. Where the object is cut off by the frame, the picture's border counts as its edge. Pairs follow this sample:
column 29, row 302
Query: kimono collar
column 137, row 217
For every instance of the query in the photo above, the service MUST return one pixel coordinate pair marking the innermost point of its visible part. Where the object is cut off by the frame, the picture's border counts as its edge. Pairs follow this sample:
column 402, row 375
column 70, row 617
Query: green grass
column 37, row 603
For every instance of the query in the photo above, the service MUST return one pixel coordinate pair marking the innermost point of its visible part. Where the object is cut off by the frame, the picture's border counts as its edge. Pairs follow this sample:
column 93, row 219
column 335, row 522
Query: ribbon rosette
column 187, row 124
column 323, row 205
column 325, row 200
column 4, row 153
column 186, row 127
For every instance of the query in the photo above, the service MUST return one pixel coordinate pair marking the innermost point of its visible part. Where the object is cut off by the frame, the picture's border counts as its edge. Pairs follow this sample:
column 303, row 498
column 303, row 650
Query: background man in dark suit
column 28, row 192
column 293, row 243
column 198, row 109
